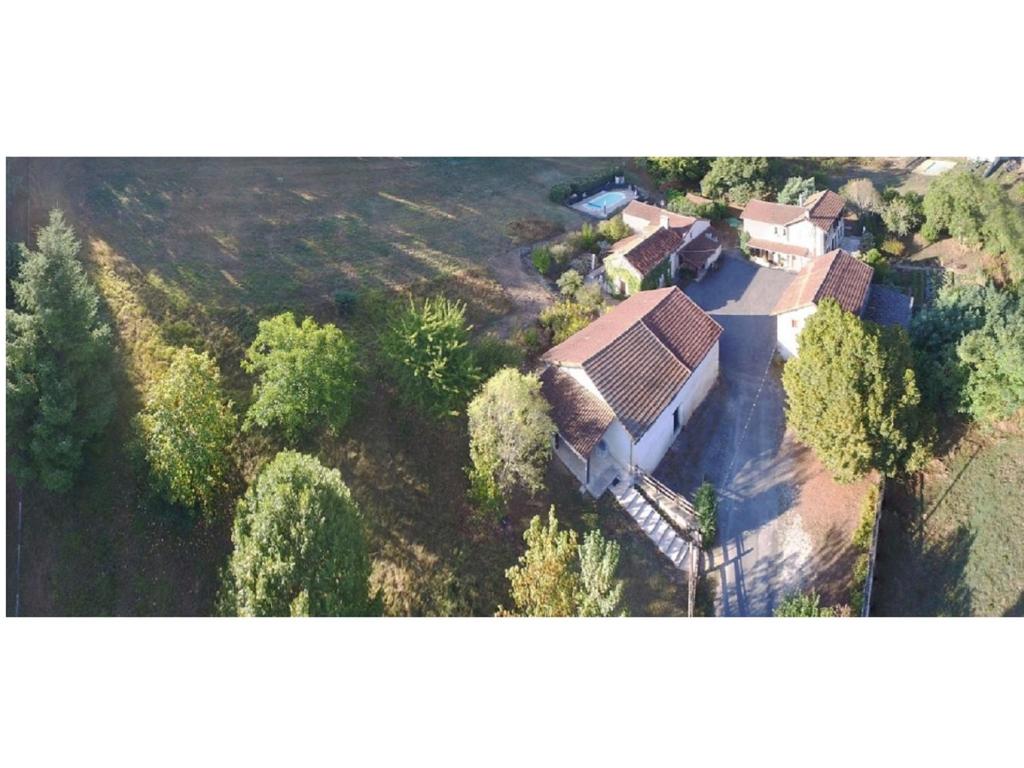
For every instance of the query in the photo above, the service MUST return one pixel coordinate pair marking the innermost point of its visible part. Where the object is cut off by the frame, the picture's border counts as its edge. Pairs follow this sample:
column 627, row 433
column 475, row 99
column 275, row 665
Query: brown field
column 188, row 251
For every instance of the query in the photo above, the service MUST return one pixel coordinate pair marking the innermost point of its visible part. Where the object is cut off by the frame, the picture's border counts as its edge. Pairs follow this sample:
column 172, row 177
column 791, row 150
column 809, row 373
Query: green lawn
column 196, row 252
column 953, row 543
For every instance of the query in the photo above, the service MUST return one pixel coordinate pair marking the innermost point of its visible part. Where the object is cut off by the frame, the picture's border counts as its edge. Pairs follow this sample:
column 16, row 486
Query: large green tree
column 59, row 356
column 795, row 189
column 426, row 348
column 555, row 576
column 299, row 545
column 187, row 427
column 903, row 214
column 978, row 213
column 510, row 432
column 994, row 356
column 852, row 396
column 676, row 171
column 737, row 178
column 968, row 349
column 306, row 373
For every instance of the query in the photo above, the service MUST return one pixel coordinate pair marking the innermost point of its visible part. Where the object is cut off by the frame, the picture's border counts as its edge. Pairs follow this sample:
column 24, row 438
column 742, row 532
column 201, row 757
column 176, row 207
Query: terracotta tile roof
column 771, row 245
column 584, row 344
column 772, row 213
column 836, row 275
column 823, row 208
column 646, row 255
column 641, row 353
column 581, row 418
column 888, row 306
column 696, row 252
column 638, row 376
column 652, row 215
column 682, row 326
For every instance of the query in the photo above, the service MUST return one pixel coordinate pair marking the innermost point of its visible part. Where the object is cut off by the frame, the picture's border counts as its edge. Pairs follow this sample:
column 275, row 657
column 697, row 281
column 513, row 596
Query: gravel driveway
column 737, row 440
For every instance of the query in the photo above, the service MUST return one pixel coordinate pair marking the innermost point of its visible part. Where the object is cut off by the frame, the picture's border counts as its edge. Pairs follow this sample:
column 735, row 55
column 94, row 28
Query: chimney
column 803, row 197
column 664, row 221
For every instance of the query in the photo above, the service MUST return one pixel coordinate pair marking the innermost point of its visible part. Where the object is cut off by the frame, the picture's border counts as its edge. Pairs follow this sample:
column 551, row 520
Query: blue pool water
column 606, row 201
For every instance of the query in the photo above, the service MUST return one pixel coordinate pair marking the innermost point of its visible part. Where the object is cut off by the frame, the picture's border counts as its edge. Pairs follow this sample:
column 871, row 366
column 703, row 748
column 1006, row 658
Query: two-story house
column 792, row 236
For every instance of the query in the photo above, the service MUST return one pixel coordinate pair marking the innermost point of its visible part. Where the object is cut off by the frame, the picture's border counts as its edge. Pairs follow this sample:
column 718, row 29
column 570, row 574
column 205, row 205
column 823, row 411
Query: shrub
column 875, row 259
column 858, row 583
column 614, row 229
column 587, row 239
column 345, row 301
column 806, row 605
column 745, row 243
column 705, row 505
column 562, row 253
column 493, row 354
column 541, row 258
column 565, row 318
column 560, row 193
column 570, row 284
column 893, row 247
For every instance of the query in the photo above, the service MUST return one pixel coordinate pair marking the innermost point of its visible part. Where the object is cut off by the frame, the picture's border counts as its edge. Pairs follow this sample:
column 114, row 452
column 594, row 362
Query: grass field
column 953, row 543
column 196, row 252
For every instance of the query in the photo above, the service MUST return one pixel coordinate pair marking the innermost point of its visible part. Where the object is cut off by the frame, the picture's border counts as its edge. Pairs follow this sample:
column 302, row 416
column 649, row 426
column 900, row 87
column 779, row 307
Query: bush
column 806, row 605
column 586, row 240
column 560, row 193
column 745, row 243
column 570, row 284
column 893, row 247
column 562, row 253
column 858, row 583
column 875, row 259
column 541, row 258
column 614, row 229
column 493, row 354
column 714, row 210
column 705, row 505
column 565, row 318
column 345, row 301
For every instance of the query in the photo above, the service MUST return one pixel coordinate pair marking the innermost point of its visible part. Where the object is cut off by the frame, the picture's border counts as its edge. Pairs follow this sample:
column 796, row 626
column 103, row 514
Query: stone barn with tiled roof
column 622, row 388
column 663, row 243
column 836, row 275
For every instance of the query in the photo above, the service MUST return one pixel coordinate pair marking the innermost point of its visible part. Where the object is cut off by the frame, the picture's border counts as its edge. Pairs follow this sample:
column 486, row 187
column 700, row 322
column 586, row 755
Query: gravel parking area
column 784, row 524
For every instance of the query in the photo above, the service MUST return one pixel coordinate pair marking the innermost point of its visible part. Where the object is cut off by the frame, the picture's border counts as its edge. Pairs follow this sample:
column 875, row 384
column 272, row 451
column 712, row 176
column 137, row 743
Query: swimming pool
column 605, row 202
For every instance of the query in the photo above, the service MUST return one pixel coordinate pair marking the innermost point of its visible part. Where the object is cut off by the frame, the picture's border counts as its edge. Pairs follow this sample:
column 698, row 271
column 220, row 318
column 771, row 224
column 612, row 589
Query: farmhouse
column 663, row 243
column 792, row 236
column 836, row 275
column 622, row 388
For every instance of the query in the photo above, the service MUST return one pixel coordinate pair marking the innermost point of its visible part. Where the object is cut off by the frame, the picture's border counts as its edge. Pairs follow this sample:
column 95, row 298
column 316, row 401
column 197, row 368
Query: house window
column 795, row 322
column 675, row 420
column 558, row 441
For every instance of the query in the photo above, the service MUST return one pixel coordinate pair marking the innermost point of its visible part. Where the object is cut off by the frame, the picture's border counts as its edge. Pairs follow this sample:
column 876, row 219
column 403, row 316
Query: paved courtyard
column 784, row 524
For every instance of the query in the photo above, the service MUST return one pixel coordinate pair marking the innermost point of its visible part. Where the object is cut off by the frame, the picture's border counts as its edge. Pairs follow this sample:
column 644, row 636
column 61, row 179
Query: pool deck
column 582, row 207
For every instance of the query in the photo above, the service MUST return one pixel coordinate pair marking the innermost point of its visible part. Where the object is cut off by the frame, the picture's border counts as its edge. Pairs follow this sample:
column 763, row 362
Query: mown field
column 196, row 252
column 952, row 542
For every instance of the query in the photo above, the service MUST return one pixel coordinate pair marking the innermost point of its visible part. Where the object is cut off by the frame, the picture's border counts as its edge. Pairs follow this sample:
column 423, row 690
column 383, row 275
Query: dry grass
column 196, row 252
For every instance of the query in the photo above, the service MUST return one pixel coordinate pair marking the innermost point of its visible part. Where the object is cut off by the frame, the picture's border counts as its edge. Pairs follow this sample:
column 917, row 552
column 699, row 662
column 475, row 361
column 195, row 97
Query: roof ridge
column 628, row 328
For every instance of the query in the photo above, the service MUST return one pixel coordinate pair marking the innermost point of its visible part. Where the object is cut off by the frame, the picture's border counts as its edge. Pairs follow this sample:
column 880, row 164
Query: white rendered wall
column 788, row 328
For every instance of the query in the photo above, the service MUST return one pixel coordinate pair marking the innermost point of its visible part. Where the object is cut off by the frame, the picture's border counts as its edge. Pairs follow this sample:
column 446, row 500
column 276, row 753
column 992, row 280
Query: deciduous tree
column 510, row 431
column 187, row 428
column 600, row 593
column 299, row 546
column 306, row 376
column 737, row 178
column 59, row 355
column 557, row 577
column 852, row 396
column 862, row 195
